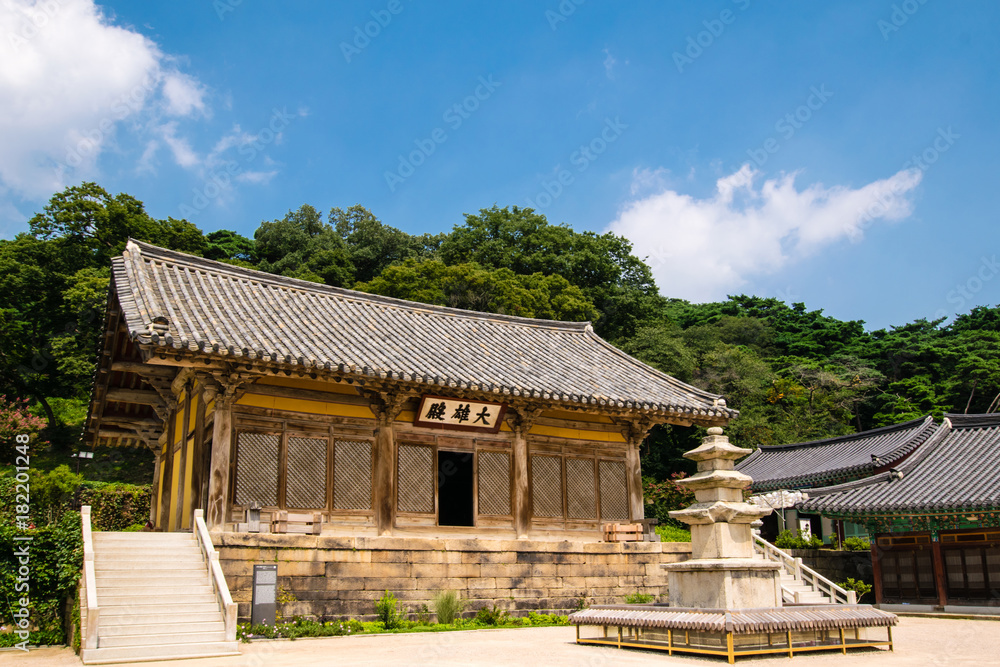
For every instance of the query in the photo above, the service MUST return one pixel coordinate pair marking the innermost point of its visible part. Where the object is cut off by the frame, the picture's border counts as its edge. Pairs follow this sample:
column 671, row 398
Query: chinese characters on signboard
column 462, row 415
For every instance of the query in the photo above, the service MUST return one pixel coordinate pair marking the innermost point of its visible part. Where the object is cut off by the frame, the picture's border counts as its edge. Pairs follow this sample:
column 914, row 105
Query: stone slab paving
column 920, row 642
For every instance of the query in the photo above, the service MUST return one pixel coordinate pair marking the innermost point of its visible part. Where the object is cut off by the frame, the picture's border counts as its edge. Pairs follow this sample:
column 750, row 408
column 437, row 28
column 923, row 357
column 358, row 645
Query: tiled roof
column 179, row 301
column 824, row 462
column 956, row 469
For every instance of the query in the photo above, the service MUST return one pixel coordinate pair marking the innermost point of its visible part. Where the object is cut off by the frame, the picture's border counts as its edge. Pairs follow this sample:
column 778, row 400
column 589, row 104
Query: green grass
column 670, row 533
column 301, row 627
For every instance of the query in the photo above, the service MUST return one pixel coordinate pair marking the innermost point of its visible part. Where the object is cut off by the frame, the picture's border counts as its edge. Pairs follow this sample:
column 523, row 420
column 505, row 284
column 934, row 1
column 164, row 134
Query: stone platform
column 329, row 576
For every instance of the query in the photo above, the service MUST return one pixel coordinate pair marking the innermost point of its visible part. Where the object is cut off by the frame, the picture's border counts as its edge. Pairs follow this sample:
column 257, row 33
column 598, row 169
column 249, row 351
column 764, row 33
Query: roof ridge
column 982, row 420
column 881, row 430
column 320, row 288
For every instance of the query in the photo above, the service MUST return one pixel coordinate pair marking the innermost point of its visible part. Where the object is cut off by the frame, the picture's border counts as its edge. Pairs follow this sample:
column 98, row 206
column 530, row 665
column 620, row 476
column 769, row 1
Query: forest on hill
column 794, row 374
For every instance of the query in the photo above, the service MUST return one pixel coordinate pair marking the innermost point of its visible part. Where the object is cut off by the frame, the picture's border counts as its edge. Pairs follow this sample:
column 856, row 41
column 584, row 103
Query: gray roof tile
column 231, row 311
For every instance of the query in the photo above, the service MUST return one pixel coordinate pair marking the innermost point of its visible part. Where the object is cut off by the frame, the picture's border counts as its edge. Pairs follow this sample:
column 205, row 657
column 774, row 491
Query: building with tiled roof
column 935, row 517
column 257, row 390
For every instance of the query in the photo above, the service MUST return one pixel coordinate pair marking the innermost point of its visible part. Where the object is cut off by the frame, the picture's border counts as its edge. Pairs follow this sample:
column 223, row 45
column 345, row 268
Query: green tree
column 372, row 246
column 302, row 245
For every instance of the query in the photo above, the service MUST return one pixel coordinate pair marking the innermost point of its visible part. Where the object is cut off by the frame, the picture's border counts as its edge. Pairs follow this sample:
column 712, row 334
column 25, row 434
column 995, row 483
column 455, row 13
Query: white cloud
column 68, row 78
column 703, row 249
column 256, row 177
column 184, row 95
column 184, row 155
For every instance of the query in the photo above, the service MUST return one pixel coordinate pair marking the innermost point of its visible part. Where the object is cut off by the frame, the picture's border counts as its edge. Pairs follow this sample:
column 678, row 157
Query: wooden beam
column 218, row 482
column 136, row 396
column 141, row 369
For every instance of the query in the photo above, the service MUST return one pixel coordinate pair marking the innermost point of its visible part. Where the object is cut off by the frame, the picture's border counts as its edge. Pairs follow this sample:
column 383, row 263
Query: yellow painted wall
column 175, row 478
column 188, row 481
column 315, row 385
column 577, row 416
column 559, row 432
column 309, row 407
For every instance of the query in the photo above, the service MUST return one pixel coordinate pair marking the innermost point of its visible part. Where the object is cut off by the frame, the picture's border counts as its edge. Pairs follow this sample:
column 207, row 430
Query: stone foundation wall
column 325, row 576
column 837, row 565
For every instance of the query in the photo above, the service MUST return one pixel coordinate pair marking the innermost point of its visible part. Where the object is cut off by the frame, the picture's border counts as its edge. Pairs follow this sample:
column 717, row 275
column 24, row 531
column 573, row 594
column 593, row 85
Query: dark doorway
column 455, row 488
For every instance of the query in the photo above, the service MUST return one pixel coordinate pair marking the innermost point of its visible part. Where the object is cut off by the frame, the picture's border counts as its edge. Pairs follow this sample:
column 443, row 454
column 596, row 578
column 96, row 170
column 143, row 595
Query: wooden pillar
column 634, row 475
column 182, row 481
column 218, row 482
column 520, row 506
column 939, row 575
column 167, row 473
column 154, row 496
column 877, row 569
column 197, row 453
column 385, row 475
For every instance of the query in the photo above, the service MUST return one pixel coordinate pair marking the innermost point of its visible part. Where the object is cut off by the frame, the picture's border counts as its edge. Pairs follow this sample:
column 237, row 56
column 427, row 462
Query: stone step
column 158, row 565
column 129, row 578
column 139, row 601
column 110, row 535
column 113, row 590
column 150, row 553
column 158, row 616
column 172, row 638
column 125, row 627
column 121, row 654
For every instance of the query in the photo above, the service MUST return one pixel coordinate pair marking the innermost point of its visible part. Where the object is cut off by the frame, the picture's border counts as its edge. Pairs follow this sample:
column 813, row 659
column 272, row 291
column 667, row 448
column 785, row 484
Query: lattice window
column 614, row 491
column 416, row 479
column 305, row 476
column 352, row 475
column 494, row 483
column 546, row 486
column 257, row 468
column 581, row 500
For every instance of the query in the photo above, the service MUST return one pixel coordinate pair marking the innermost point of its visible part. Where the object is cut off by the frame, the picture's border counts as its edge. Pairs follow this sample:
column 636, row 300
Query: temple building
column 784, row 475
column 384, row 416
column 934, row 519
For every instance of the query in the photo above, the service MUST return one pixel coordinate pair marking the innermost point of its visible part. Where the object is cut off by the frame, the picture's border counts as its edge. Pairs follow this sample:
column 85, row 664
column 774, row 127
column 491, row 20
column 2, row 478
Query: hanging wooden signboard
column 459, row 414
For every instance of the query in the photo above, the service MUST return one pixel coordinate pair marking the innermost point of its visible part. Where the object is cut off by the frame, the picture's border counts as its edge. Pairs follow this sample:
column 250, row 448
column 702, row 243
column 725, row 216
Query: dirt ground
column 920, row 642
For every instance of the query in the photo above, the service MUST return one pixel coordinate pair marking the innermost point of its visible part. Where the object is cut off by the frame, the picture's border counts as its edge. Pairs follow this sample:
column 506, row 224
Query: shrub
column 447, row 605
column 638, row 598
column 387, row 610
column 856, row 585
column 671, row 533
column 665, row 497
column 786, row 540
column 856, row 544
column 491, row 615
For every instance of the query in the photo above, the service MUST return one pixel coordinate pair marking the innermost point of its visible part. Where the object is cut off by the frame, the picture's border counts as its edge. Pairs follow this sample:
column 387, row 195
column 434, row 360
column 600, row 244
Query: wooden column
column 182, row 481
column 385, row 477
column 167, row 472
column 197, row 454
column 385, row 406
column 634, row 475
column 939, row 576
column 218, row 481
column 154, row 496
column 877, row 569
column 635, row 431
column 520, row 420
column 520, row 505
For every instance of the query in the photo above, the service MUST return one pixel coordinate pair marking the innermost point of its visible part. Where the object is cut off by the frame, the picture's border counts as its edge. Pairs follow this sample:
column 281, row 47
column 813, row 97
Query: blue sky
column 842, row 154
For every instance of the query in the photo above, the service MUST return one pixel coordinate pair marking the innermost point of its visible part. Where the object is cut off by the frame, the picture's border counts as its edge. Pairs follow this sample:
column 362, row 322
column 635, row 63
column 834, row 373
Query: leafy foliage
column 448, row 605
column 856, row 544
column 387, row 610
column 492, row 615
column 856, row 585
column 787, row 540
column 638, row 598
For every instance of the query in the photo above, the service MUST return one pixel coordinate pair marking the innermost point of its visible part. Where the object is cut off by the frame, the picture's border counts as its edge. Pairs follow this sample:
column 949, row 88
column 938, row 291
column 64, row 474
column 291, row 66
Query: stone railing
column 803, row 574
column 215, row 576
column 90, row 615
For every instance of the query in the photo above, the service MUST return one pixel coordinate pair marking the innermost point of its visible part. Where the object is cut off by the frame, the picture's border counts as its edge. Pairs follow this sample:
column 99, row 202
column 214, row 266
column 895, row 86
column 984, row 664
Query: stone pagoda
column 722, row 573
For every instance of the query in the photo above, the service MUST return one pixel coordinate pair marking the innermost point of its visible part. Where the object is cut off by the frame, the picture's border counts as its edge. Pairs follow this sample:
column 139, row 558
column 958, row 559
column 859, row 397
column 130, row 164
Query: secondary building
column 934, row 518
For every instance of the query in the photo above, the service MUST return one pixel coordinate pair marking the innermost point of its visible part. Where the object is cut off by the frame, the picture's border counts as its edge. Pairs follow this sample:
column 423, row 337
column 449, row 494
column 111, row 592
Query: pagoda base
column 724, row 583
column 789, row 630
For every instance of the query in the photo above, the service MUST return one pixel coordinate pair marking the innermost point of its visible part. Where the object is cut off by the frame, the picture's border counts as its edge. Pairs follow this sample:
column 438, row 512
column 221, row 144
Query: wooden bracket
column 522, row 417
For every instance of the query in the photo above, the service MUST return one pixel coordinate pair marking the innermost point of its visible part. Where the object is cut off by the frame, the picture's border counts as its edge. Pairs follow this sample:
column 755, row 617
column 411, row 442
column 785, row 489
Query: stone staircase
column 155, row 600
column 799, row 583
